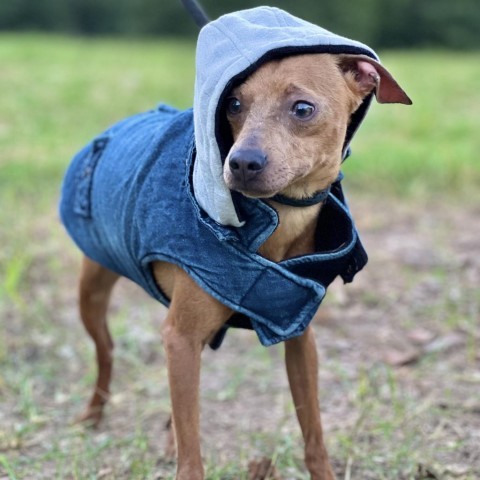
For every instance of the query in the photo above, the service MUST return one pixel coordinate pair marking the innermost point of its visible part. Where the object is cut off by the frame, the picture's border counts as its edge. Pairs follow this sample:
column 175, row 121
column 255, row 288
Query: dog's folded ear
column 370, row 76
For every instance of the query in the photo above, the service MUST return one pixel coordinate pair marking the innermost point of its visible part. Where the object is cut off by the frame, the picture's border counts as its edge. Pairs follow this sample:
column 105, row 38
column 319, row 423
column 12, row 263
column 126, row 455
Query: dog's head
column 289, row 121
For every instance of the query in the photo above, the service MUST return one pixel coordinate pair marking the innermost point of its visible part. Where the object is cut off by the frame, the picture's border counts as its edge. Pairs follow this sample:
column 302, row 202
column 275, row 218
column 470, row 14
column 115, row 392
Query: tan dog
column 289, row 121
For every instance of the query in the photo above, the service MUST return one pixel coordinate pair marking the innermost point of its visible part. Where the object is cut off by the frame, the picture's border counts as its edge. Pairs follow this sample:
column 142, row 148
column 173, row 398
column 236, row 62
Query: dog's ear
column 370, row 76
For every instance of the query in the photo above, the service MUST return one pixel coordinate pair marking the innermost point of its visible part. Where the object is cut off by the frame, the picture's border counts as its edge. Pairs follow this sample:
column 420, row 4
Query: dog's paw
column 91, row 417
column 262, row 469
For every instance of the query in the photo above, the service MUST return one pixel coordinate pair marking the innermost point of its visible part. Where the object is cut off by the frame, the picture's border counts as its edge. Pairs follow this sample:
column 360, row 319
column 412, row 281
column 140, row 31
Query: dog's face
column 289, row 121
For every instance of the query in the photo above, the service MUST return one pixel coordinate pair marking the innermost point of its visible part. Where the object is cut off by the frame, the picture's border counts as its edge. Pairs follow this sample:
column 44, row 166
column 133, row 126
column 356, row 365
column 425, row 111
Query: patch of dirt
column 399, row 367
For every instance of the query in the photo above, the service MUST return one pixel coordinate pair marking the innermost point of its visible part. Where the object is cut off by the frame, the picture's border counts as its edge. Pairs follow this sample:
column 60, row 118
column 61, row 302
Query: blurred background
column 379, row 23
column 399, row 348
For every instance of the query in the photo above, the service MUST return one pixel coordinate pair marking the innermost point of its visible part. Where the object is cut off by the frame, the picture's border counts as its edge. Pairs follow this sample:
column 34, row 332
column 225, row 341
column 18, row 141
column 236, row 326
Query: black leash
column 196, row 11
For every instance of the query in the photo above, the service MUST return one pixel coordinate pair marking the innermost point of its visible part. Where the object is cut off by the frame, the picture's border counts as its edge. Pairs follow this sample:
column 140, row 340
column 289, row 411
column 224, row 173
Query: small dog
column 288, row 120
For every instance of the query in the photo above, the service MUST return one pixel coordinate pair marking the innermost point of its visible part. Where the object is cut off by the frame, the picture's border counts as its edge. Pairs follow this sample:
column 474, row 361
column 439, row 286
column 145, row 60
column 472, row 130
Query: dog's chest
column 294, row 235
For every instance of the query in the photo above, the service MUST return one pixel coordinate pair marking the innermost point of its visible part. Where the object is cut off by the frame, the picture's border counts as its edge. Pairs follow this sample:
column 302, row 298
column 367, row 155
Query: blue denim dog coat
column 148, row 189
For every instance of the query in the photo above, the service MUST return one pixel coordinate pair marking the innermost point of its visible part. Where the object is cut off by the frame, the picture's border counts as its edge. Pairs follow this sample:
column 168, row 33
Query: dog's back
column 109, row 187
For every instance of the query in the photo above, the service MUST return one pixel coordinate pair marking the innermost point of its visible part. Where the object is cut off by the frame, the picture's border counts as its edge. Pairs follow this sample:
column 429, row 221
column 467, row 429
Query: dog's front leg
column 193, row 318
column 183, row 359
column 302, row 369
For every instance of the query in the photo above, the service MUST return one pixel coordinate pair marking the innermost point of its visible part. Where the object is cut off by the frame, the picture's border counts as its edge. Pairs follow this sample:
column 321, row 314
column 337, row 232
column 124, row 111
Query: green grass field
column 56, row 94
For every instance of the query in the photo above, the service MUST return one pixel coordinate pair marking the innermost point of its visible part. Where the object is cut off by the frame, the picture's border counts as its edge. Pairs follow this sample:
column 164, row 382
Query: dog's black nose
column 247, row 163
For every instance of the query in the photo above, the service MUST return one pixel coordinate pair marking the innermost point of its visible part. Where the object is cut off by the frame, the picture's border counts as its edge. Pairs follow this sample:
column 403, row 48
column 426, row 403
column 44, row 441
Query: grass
column 430, row 148
column 59, row 92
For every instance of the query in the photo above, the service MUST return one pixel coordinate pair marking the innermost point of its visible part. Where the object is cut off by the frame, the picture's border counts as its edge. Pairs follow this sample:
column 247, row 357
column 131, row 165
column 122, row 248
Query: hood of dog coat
column 228, row 50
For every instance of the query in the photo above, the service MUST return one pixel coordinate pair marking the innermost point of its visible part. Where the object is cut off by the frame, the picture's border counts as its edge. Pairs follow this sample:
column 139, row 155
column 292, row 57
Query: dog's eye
column 233, row 106
column 303, row 110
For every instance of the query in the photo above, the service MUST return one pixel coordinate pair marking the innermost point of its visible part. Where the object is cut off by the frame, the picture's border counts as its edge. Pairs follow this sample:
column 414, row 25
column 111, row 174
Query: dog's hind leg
column 302, row 369
column 96, row 284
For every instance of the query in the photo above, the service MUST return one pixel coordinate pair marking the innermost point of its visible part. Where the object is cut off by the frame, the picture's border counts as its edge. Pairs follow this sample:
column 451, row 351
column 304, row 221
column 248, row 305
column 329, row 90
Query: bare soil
column 399, row 367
